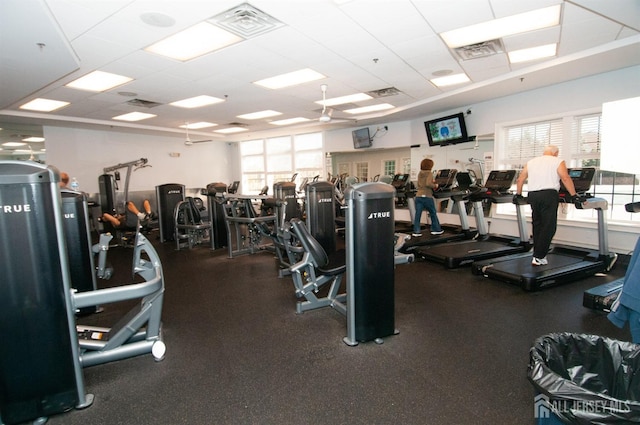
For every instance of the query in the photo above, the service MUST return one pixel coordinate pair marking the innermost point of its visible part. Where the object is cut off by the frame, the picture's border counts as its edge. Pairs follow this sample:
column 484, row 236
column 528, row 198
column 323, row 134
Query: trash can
column 585, row 379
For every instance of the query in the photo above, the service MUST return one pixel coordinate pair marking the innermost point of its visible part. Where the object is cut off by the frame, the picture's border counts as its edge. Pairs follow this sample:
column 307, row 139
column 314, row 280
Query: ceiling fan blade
column 193, row 142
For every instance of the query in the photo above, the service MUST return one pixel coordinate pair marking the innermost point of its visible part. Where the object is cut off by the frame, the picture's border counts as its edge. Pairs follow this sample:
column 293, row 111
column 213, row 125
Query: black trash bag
column 587, row 379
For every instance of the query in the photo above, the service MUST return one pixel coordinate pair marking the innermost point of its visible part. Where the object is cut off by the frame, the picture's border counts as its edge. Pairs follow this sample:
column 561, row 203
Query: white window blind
column 527, row 141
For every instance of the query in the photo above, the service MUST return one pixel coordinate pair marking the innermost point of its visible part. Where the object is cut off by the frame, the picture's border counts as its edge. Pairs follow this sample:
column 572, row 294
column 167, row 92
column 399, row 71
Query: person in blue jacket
column 627, row 307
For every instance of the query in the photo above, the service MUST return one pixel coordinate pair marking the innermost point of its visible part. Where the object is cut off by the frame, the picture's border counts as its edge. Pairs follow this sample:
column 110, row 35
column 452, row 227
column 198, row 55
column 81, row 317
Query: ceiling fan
column 327, row 113
column 190, row 142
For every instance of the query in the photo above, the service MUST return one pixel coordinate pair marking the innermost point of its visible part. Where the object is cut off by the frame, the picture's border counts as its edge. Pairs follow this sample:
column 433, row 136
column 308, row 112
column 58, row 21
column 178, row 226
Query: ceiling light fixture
column 502, row 27
column 33, row 139
column 193, row 42
column 13, row 144
column 290, row 121
column 197, row 101
column 134, row 116
column 358, row 97
column 230, row 130
column 99, row 81
column 198, row 125
column 450, row 80
column 259, row 115
column 290, row 79
column 372, row 108
column 533, row 53
column 44, row 105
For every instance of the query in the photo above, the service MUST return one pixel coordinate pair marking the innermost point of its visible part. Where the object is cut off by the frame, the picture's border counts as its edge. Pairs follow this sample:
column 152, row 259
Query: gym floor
column 237, row 353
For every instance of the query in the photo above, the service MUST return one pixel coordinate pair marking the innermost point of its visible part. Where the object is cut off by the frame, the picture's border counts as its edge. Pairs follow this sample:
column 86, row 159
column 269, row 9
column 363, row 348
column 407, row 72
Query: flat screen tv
column 447, row 130
column 361, row 138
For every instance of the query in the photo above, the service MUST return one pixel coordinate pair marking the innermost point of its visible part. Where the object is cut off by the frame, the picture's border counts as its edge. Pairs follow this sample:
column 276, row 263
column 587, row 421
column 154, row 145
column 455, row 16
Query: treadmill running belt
column 561, row 268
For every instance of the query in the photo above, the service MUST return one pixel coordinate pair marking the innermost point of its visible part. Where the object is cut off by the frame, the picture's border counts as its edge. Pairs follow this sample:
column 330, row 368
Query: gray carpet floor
column 237, row 352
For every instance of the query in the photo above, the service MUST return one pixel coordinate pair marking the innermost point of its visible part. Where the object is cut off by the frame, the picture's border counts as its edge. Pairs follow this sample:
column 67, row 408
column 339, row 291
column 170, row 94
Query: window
column 362, row 171
column 389, row 167
column 268, row 161
column 578, row 137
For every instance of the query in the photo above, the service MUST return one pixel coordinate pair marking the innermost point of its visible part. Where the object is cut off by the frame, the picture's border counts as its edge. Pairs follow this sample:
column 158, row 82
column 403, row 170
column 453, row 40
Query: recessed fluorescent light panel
column 198, row 125
column 99, row 81
column 259, row 115
column 372, row 108
column 498, row 28
column 193, row 42
column 133, row 116
column 197, row 102
column 13, row 144
column 533, row 53
column 231, row 130
column 450, row 80
column 290, row 79
column 44, row 105
column 358, row 97
column 33, row 139
column 290, row 121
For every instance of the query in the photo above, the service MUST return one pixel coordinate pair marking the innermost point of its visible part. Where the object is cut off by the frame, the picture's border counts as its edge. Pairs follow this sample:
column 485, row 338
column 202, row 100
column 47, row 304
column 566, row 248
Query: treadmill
column 457, row 186
column 484, row 245
column 566, row 263
column 603, row 296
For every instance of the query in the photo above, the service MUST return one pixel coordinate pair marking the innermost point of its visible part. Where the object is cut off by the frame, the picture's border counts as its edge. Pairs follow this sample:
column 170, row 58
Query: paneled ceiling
column 359, row 45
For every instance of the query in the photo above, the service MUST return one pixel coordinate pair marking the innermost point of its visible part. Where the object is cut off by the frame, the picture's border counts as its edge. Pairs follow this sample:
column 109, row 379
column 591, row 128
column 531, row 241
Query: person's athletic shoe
column 539, row 261
column 416, row 235
column 439, row 232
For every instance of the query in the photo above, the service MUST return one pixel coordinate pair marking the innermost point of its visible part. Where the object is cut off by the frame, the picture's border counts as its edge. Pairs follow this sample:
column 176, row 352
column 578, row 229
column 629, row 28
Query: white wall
column 84, row 153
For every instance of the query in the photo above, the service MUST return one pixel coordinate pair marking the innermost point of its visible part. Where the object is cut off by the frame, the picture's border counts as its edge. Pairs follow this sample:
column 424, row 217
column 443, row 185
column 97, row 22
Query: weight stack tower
column 370, row 262
column 40, row 372
column 321, row 214
column 107, row 187
column 286, row 191
column 215, row 194
column 168, row 195
column 78, row 238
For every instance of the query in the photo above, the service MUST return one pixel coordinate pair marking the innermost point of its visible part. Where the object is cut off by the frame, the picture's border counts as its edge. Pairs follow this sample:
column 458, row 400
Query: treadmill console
column 500, row 181
column 582, row 179
column 445, row 178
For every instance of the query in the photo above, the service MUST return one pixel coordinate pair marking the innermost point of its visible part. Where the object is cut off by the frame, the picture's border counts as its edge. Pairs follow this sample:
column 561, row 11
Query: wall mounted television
column 447, row 130
column 361, row 138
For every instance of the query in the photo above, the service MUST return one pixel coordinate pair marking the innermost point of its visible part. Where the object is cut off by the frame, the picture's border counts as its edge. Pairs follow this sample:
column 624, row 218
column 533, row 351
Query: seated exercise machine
column 188, row 224
column 484, row 245
column 139, row 331
column 314, row 270
column 43, row 348
column 115, row 203
column 566, row 263
column 242, row 221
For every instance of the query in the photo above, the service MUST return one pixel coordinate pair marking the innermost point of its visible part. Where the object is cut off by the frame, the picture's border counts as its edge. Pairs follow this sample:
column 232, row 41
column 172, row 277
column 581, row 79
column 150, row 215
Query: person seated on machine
column 124, row 220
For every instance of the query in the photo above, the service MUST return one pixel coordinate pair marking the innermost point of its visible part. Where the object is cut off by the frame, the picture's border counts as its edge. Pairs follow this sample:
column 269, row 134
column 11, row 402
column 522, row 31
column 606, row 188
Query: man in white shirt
column 543, row 175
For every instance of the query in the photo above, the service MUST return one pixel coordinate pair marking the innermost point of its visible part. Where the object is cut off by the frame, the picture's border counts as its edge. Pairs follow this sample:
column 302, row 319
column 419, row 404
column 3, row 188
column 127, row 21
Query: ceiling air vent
column 143, row 103
column 237, row 124
column 480, row 50
column 246, row 21
column 389, row 91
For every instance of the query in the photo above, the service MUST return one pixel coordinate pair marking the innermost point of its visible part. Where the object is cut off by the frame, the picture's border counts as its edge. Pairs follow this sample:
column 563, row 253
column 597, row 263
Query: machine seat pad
column 336, row 264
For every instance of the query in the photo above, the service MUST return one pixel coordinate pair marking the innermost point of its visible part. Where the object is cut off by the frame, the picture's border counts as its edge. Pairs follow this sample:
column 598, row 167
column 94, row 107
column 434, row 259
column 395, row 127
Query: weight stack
column 321, row 214
column 370, row 262
column 286, row 191
column 168, row 196
column 40, row 371
column 78, row 239
column 215, row 194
